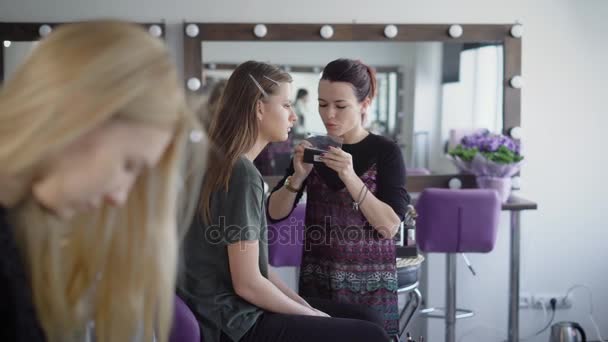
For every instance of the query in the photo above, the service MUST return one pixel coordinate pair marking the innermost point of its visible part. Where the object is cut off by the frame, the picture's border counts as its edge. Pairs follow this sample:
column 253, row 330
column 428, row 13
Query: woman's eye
column 339, row 107
column 322, row 106
column 130, row 166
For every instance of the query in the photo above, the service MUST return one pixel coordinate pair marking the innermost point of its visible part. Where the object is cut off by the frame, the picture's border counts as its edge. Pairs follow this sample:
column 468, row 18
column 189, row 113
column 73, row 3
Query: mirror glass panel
column 430, row 94
column 14, row 54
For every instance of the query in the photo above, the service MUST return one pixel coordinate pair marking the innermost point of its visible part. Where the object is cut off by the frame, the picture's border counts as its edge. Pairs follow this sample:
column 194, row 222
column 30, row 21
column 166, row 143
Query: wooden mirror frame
column 29, row 32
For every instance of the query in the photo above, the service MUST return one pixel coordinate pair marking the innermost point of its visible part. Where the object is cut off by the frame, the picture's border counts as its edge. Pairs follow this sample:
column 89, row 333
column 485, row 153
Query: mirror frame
column 471, row 33
column 28, row 32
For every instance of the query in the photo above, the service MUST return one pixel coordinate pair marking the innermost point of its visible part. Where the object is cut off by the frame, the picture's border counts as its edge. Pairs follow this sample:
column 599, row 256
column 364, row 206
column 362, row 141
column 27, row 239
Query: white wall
column 564, row 117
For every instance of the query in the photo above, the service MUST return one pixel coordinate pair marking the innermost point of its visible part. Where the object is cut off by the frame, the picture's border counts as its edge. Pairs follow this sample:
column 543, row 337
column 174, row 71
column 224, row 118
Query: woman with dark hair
column 356, row 200
column 301, row 110
column 227, row 281
column 301, row 94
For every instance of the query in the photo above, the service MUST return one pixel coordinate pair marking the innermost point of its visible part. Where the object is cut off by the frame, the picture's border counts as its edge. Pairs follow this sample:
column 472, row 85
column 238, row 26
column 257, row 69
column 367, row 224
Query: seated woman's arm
column 276, row 280
column 250, row 285
column 282, row 201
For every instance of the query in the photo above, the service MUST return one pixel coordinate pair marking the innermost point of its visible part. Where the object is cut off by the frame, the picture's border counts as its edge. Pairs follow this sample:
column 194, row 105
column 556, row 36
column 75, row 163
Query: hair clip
column 258, row 85
column 271, row 80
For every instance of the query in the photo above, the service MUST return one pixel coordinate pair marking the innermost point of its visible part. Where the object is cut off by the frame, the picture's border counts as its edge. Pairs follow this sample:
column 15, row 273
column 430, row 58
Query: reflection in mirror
column 14, row 54
column 429, row 93
column 304, row 95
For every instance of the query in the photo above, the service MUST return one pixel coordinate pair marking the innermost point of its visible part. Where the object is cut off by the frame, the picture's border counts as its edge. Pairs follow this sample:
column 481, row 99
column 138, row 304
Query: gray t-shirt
column 205, row 284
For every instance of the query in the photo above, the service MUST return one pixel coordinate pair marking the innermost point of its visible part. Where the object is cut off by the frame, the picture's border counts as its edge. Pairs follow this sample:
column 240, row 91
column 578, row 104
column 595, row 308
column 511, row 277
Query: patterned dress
column 345, row 259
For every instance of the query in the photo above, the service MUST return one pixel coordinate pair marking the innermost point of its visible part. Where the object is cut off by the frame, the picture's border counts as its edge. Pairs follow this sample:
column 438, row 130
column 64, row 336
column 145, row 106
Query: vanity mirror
column 436, row 82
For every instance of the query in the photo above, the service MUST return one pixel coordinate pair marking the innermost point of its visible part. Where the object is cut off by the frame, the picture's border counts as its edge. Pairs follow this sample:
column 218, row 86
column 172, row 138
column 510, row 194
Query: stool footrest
column 440, row 313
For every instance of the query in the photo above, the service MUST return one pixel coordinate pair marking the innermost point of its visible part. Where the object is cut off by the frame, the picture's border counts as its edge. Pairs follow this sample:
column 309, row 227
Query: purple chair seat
column 185, row 326
column 285, row 239
column 455, row 221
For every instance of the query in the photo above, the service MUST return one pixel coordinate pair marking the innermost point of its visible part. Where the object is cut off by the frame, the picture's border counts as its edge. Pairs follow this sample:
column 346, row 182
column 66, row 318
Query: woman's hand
column 339, row 161
column 321, row 313
column 302, row 170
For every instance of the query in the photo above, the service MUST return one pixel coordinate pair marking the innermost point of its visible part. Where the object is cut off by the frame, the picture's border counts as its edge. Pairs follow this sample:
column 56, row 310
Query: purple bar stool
column 285, row 239
column 185, row 326
column 456, row 221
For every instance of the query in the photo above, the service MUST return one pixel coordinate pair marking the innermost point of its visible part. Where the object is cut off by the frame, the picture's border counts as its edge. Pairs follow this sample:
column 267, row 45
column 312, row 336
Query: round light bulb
column 390, row 31
column 517, row 30
column 44, row 30
column 515, row 132
column 455, row 31
column 192, row 30
column 455, row 183
column 260, row 30
column 155, row 30
column 194, row 84
column 327, row 31
column 7, row 43
column 516, row 82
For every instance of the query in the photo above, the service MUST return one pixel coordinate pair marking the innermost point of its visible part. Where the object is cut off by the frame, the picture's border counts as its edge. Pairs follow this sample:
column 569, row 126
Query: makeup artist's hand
column 339, row 161
column 302, row 170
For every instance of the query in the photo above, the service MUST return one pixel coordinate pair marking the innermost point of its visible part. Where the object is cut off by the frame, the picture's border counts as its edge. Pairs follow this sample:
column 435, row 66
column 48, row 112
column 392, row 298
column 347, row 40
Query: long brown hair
column 233, row 129
column 207, row 110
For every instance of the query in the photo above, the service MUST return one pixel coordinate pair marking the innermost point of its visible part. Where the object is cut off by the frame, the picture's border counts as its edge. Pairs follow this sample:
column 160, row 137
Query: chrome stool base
column 440, row 313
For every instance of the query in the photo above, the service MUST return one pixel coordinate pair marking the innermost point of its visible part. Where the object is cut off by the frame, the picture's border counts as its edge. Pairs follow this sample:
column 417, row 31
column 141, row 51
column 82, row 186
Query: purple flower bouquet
column 492, row 158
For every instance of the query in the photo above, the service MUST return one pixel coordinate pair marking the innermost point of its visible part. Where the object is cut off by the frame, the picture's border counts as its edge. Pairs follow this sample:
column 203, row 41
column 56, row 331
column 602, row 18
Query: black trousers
column 348, row 323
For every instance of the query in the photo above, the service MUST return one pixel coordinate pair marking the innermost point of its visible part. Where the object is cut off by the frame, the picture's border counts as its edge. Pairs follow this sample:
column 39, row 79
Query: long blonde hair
column 117, row 266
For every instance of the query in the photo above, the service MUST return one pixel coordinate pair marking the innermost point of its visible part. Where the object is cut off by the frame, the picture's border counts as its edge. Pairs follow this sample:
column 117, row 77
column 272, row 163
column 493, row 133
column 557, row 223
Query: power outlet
column 562, row 302
column 524, row 300
column 538, row 301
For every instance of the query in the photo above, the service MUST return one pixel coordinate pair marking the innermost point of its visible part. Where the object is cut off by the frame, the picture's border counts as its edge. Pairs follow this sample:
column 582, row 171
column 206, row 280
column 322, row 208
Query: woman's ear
column 365, row 105
column 259, row 110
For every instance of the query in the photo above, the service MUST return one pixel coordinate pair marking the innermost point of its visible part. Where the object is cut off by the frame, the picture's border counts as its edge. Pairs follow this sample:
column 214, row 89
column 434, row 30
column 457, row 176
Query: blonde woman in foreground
column 94, row 132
